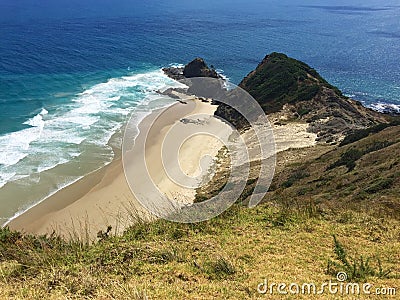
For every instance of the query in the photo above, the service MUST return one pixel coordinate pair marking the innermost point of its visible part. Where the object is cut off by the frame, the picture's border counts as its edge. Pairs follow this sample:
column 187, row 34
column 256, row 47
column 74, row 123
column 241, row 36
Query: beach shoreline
column 103, row 198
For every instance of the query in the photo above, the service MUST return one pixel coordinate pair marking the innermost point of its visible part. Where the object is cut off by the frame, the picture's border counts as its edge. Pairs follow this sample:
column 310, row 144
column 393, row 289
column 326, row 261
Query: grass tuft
column 220, row 268
column 358, row 269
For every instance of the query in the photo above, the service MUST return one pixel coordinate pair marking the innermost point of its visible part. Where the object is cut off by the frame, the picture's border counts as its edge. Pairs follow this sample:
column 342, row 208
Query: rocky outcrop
column 174, row 73
column 196, row 68
column 330, row 116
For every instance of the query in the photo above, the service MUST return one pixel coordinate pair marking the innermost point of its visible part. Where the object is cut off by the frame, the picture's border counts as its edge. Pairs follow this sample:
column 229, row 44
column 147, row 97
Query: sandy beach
column 103, row 198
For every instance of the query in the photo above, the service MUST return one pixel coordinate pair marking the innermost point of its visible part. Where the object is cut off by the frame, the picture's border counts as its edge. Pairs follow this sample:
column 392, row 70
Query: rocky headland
column 289, row 90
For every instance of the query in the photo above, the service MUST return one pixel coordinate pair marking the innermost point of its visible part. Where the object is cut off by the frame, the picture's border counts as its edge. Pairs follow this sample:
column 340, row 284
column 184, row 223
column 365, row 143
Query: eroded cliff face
column 330, row 116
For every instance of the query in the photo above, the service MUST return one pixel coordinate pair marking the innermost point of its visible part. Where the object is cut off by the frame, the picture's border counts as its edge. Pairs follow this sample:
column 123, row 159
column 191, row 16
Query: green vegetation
column 225, row 258
column 303, row 111
column 380, row 185
column 220, row 268
column 363, row 133
column 347, row 159
column 294, row 177
column 359, row 269
column 279, row 80
column 370, row 181
column 352, row 155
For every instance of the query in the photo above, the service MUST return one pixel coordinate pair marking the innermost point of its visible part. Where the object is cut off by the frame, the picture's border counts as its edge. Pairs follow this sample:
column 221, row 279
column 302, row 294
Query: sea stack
column 196, row 68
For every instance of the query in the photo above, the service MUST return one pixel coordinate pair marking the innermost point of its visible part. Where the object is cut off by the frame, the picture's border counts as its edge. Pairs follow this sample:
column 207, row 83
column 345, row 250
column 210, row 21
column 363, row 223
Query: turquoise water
column 71, row 72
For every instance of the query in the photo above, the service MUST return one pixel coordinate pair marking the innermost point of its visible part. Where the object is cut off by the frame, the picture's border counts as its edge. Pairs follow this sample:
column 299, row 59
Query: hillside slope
column 290, row 90
column 288, row 238
column 363, row 176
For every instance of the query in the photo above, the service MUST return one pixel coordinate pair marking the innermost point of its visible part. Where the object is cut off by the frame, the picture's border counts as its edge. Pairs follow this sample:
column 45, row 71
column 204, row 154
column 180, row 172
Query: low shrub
column 380, row 185
column 347, row 159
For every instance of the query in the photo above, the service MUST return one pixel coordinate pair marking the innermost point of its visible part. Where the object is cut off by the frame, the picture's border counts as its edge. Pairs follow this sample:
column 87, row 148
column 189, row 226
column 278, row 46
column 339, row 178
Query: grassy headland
column 331, row 208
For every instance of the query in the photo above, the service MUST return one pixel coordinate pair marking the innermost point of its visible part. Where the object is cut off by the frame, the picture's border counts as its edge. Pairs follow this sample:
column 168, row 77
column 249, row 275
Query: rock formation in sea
column 196, row 68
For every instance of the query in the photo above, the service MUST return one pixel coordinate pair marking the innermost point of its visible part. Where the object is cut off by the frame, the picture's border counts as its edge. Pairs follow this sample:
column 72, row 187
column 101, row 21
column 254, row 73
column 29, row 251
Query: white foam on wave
column 89, row 120
column 5, row 177
column 15, row 145
column 227, row 83
column 176, row 65
column 79, row 119
column 52, row 164
column 37, row 121
column 384, row 107
column 350, row 95
column 59, row 187
column 65, row 182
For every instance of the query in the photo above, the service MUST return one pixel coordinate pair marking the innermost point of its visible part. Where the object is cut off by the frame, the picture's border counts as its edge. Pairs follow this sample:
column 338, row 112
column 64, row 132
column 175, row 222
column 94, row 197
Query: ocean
column 72, row 72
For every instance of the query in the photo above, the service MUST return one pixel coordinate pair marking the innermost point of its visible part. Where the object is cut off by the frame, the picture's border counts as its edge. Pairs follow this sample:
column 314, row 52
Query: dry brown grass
column 289, row 238
column 225, row 258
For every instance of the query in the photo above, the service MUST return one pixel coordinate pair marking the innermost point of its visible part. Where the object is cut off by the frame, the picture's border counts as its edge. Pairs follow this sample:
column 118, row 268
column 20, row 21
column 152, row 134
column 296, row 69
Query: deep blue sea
column 71, row 72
